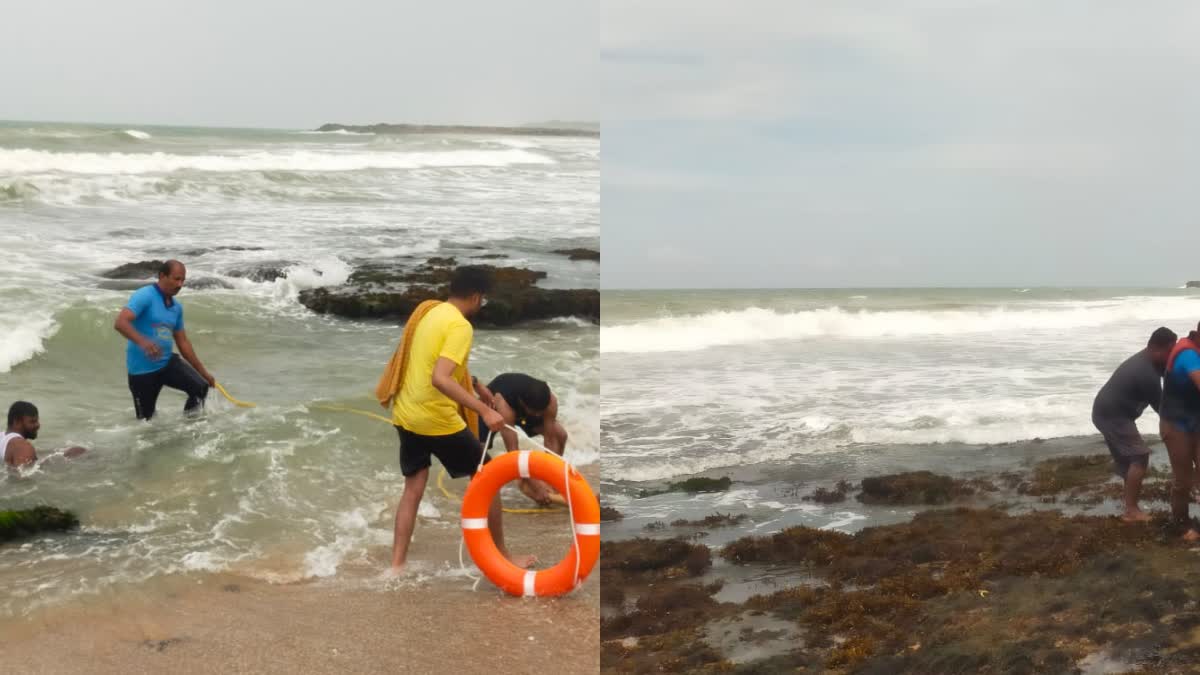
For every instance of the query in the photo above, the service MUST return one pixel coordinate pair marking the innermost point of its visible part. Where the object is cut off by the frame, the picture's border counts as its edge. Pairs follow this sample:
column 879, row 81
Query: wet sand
column 355, row 622
column 231, row 625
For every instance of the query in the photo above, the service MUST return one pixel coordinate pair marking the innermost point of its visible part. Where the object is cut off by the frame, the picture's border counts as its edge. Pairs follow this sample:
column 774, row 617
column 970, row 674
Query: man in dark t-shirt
column 527, row 402
column 1135, row 384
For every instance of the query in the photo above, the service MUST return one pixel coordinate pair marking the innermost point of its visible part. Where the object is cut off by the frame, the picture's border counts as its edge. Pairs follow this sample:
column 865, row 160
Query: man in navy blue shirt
column 152, row 321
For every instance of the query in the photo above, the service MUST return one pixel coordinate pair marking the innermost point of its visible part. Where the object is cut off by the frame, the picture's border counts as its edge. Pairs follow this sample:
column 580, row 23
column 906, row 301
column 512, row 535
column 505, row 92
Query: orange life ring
column 547, row 467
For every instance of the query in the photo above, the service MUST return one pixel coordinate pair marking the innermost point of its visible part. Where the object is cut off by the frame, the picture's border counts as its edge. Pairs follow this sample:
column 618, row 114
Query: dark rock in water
column 702, row 484
column 916, row 487
column 692, row 485
column 609, row 514
column 715, row 520
column 29, row 522
column 824, row 495
column 580, row 253
column 382, row 291
column 441, row 262
column 262, row 272
column 491, row 256
column 146, row 269
column 1193, row 284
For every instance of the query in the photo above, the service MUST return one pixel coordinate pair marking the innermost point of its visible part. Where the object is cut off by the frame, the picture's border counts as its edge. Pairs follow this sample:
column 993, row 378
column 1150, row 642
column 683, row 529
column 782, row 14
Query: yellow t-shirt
column 420, row 407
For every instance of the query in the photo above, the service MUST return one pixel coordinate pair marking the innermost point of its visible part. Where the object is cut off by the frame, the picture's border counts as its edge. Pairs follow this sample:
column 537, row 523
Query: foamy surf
column 21, row 161
column 23, row 338
column 275, row 492
column 758, row 325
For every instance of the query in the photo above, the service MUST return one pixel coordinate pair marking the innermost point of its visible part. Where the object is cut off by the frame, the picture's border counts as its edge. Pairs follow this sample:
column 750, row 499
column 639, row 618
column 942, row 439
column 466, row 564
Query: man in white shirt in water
column 23, row 426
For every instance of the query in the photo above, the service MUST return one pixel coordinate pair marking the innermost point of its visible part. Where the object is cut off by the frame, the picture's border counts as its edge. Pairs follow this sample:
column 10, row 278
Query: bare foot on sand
column 1137, row 516
column 538, row 491
column 1191, row 536
column 395, row 571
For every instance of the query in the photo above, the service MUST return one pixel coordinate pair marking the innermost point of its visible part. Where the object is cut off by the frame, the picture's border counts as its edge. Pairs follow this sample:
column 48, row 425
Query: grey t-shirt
column 1135, row 384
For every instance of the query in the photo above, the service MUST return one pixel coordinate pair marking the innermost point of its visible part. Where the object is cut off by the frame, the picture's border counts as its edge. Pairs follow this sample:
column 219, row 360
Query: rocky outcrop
column 385, row 291
column 135, row 270
column 579, row 253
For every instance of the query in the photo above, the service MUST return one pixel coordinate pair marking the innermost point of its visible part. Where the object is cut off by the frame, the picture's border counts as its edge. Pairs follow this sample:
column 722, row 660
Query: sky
column 799, row 144
column 284, row 64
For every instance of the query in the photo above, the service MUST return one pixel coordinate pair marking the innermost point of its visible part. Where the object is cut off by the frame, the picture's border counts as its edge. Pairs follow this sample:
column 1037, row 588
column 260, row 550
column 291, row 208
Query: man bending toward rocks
column 1135, row 384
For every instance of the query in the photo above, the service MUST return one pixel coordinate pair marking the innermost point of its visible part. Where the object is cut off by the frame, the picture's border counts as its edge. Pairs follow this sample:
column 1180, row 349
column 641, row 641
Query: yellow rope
column 240, row 404
column 364, row 413
column 441, row 483
column 441, row 479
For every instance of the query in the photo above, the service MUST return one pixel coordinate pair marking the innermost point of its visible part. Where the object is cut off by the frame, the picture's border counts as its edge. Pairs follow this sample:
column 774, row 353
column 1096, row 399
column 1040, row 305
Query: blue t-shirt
column 153, row 319
column 1186, row 363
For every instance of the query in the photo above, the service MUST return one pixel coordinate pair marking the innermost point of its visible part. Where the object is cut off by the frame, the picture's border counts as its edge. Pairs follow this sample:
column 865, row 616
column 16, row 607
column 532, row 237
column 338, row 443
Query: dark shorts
column 459, row 452
column 1124, row 442
column 177, row 374
column 532, row 426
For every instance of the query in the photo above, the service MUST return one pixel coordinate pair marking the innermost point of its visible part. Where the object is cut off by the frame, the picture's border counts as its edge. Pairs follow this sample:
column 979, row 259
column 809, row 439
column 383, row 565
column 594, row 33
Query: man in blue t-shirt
column 152, row 320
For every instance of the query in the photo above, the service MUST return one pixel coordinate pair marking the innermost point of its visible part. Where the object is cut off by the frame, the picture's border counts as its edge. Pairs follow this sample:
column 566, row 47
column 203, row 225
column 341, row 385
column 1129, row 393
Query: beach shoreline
column 232, row 624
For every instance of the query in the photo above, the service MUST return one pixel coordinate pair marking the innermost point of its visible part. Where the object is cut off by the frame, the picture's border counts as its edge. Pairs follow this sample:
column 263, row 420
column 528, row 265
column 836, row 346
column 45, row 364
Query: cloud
column 1007, row 126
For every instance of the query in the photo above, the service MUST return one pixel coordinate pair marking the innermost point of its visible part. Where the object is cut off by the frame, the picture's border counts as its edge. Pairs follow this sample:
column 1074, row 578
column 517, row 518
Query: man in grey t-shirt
column 1135, row 384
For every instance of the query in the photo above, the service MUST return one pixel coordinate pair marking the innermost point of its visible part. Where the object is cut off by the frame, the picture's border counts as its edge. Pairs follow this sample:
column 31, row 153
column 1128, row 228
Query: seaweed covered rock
column 692, row 486
column 579, row 253
column 653, row 558
column 23, row 523
column 914, row 487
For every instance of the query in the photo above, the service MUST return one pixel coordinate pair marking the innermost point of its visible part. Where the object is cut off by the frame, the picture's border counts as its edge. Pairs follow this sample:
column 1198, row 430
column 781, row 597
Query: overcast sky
column 897, row 143
column 276, row 63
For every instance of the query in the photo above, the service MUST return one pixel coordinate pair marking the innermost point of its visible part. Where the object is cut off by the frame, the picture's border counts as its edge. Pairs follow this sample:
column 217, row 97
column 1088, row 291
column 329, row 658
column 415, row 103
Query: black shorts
column 459, row 452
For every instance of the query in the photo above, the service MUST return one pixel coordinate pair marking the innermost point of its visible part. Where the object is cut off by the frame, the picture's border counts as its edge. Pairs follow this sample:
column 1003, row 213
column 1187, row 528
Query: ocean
column 286, row 491
column 787, row 390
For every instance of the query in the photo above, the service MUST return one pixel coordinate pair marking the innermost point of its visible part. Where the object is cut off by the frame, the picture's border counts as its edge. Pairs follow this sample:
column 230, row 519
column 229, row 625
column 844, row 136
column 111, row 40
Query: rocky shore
column 1000, row 573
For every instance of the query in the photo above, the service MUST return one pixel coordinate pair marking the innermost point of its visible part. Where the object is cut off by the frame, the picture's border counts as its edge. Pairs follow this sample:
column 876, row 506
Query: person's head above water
column 171, row 276
column 23, row 419
column 469, row 287
column 536, row 399
column 1161, row 342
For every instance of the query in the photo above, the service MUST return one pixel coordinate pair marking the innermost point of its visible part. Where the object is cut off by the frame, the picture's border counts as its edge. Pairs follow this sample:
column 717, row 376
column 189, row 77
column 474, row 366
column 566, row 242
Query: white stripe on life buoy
column 523, row 463
column 474, row 523
column 529, row 578
column 587, row 528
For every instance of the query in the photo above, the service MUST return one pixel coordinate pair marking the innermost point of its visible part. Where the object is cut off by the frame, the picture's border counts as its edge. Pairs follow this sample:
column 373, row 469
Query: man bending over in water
column 23, row 425
column 528, row 403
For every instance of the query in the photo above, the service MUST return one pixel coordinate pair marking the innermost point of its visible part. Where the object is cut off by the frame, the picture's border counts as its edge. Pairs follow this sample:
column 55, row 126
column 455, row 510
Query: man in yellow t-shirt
column 425, row 411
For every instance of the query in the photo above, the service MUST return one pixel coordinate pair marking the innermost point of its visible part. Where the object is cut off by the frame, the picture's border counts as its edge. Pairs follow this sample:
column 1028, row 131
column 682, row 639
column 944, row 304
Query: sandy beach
column 353, row 623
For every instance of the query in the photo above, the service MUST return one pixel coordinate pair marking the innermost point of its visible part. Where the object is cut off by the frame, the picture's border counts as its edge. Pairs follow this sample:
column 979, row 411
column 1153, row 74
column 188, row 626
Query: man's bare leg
column 406, row 517
column 1133, row 489
column 496, row 526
